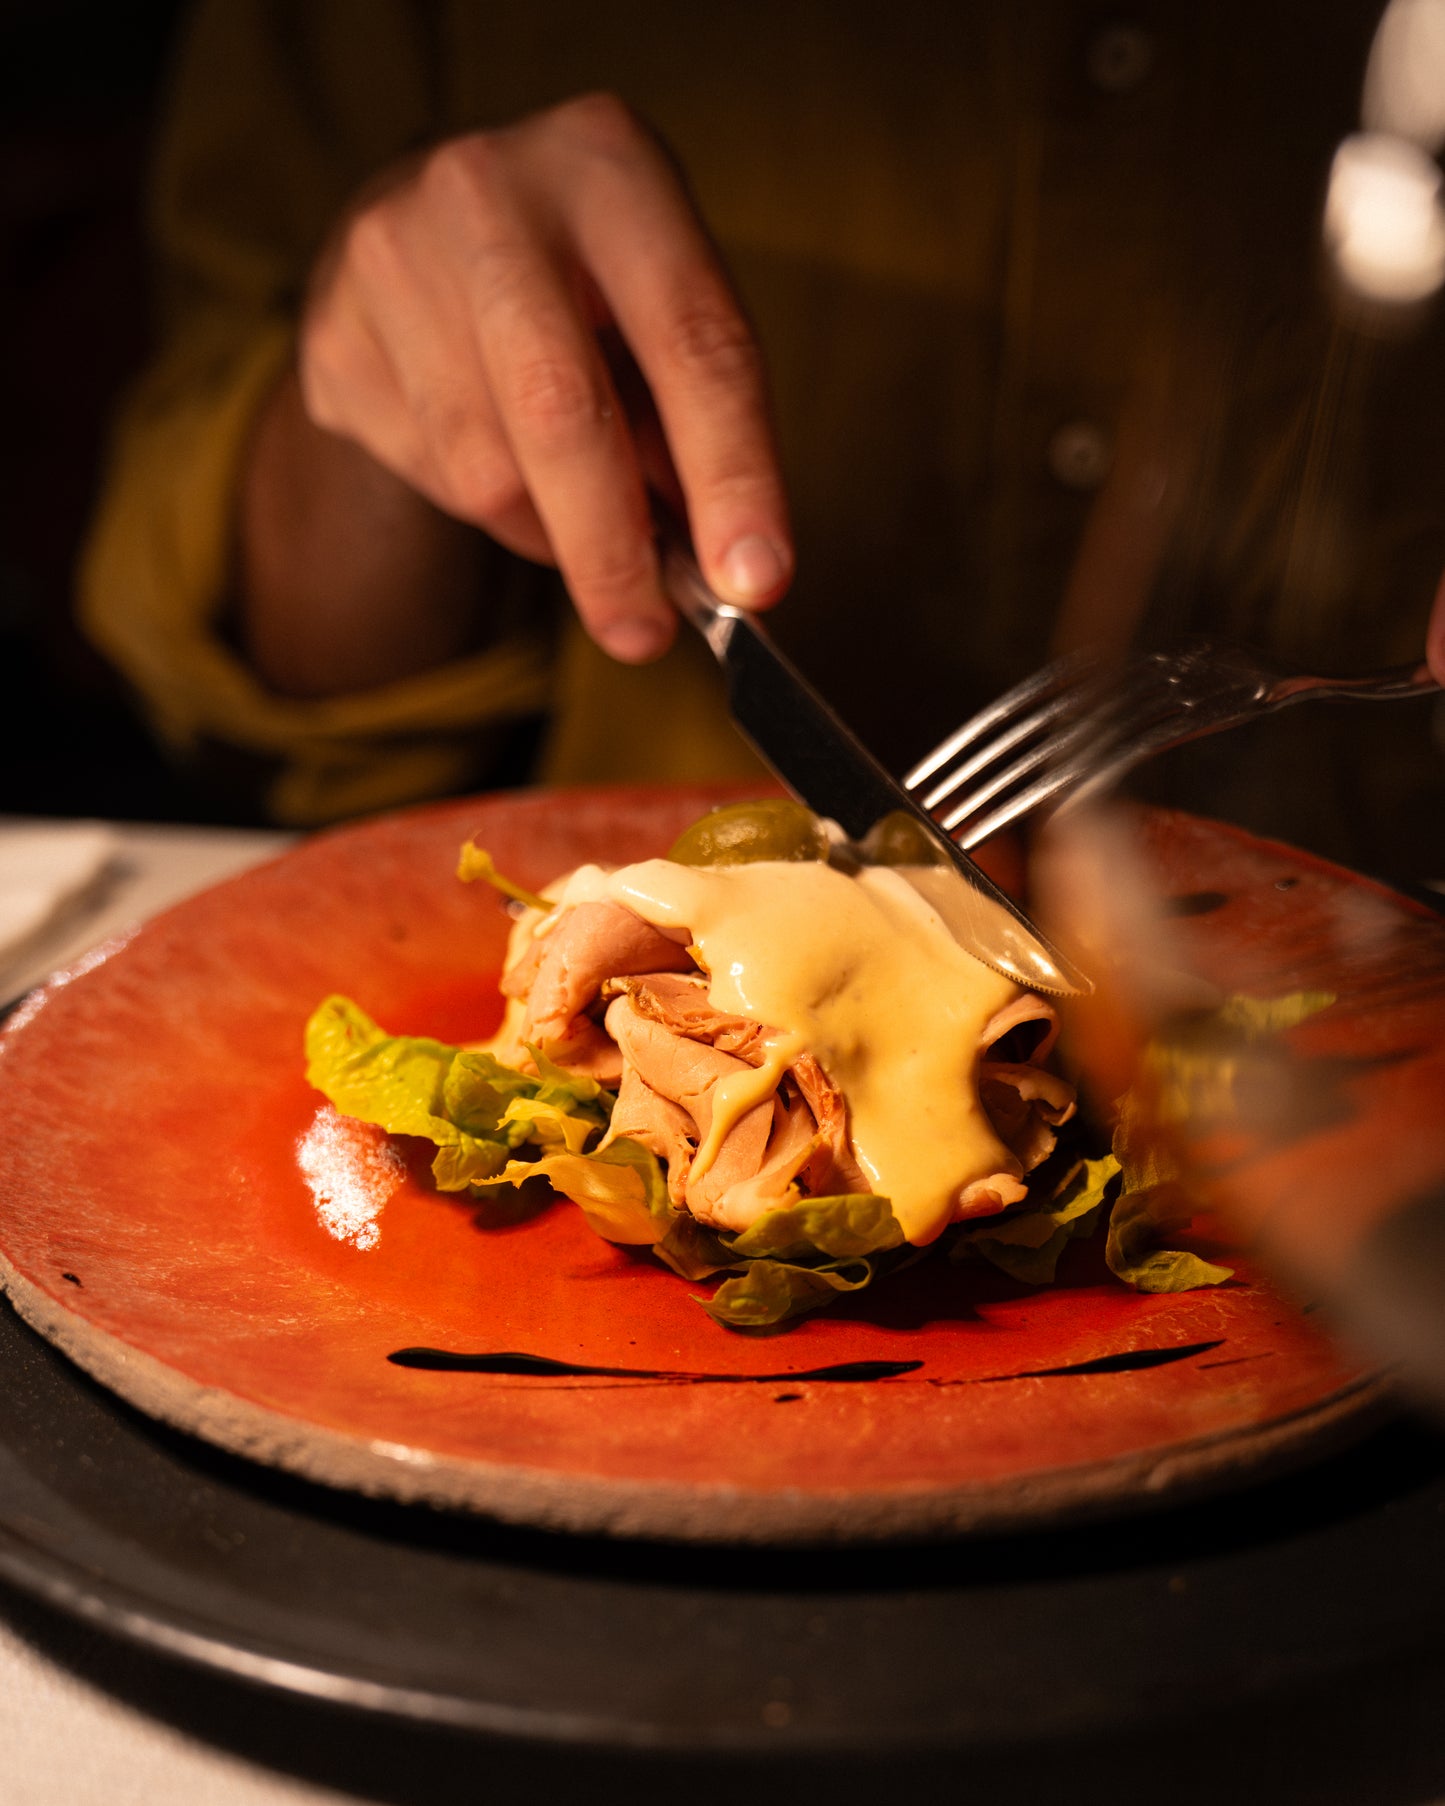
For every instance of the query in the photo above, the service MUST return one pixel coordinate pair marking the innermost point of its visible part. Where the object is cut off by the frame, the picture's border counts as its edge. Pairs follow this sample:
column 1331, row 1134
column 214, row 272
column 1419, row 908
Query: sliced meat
column 1026, row 1105
column 1014, row 1015
column 605, row 993
column 792, row 1145
column 826, row 1163
column 834, row 1169
column 520, row 974
column 584, row 1049
column 591, row 942
column 987, row 1197
column 663, row 1127
column 681, row 1004
column 687, row 1073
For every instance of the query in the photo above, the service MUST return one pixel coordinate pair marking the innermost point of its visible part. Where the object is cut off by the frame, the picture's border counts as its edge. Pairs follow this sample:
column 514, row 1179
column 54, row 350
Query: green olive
column 740, row 833
column 898, row 839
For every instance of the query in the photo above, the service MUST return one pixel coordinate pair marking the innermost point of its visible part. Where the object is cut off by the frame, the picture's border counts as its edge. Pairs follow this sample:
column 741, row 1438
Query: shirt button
column 1118, row 58
column 1079, row 455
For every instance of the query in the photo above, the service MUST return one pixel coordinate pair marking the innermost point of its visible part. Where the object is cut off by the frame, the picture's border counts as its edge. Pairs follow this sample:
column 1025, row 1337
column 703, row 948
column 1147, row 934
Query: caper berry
column 899, row 839
column 741, row 833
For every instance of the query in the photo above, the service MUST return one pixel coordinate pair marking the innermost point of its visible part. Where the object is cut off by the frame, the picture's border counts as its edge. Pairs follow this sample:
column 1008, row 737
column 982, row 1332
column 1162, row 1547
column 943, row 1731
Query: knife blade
column 828, row 769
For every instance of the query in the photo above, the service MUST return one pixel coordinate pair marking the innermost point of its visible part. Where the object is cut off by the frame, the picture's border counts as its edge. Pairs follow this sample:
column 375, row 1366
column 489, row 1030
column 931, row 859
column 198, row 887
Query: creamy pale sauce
column 863, row 971
column 740, row 1092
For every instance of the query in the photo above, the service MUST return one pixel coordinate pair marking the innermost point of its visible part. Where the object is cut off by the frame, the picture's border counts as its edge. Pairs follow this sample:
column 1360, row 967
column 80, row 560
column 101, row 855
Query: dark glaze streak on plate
column 441, row 1360
column 1196, row 903
column 1132, row 1361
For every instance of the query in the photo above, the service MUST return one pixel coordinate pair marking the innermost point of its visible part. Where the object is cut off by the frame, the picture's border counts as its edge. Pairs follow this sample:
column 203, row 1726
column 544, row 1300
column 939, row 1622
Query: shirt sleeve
column 278, row 113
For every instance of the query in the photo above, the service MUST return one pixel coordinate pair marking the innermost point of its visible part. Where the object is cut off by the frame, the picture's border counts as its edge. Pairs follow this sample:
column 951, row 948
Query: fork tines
column 1033, row 723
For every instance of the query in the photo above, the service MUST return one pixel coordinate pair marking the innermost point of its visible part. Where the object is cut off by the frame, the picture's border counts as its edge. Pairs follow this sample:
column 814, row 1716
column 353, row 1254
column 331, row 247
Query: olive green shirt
column 1054, row 351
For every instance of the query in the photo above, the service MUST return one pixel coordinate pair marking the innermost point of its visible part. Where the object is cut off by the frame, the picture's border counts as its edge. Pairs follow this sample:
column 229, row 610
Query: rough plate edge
column 661, row 1512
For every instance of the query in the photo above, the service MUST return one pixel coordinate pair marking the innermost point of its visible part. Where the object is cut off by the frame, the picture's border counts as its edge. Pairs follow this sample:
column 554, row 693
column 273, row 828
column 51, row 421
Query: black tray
column 1267, row 1602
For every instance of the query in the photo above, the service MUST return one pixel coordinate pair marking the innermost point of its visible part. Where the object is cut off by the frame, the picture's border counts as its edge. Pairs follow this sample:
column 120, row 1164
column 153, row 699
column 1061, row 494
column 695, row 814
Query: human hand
column 530, row 326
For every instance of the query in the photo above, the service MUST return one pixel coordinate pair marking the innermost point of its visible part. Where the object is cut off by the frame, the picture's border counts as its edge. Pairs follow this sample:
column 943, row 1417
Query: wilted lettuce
column 766, row 1292
column 1027, row 1242
column 619, row 1188
column 795, row 1258
column 493, row 1126
column 477, row 1111
column 1189, row 1077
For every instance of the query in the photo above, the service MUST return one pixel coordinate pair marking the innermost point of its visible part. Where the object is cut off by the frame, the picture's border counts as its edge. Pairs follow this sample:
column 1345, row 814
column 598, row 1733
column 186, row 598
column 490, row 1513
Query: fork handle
column 1393, row 682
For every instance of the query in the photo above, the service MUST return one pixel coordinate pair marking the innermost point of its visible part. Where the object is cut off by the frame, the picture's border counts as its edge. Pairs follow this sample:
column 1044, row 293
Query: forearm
column 346, row 578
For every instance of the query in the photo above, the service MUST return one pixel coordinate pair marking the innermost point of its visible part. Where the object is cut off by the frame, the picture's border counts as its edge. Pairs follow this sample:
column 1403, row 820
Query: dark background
column 80, row 84
column 78, row 90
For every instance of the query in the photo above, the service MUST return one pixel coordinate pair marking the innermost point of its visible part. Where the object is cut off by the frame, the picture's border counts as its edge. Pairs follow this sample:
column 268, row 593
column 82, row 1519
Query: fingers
column 457, row 330
column 641, row 241
column 388, row 359
column 560, row 414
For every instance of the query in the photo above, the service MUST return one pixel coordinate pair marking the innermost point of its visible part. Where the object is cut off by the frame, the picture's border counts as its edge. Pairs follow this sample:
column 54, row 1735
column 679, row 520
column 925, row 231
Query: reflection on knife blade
column 824, row 766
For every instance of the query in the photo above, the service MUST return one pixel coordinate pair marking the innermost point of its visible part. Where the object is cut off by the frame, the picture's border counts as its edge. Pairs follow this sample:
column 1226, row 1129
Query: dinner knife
column 828, row 769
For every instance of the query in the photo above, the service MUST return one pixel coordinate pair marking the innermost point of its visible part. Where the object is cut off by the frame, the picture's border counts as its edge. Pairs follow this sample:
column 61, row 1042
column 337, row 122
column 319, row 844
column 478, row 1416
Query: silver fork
column 1075, row 727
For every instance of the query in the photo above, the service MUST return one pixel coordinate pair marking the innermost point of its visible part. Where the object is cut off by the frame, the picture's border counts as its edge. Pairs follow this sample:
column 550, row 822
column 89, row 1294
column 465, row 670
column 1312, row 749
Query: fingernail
column 635, row 640
column 752, row 569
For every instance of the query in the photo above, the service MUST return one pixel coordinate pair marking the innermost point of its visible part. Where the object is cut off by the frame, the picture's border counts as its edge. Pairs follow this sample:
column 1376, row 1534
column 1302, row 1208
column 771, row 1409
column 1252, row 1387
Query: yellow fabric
column 956, row 244
column 162, row 545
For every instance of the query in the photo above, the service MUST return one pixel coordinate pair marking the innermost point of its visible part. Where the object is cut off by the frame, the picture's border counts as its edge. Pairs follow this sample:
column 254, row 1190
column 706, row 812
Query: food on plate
column 771, row 1058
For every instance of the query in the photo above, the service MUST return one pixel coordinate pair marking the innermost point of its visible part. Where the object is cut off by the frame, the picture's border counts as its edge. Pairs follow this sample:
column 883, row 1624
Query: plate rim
column 664, row 1511
column 582, row 1503
column 241, row 1648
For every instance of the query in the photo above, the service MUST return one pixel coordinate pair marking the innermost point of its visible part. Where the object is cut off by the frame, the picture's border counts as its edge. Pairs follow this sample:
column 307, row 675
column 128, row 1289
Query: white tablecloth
column 151, row 867
column 66, row 1742
column 63, row 1740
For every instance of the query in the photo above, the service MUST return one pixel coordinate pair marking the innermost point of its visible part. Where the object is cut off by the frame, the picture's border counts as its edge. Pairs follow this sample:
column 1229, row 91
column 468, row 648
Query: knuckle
column 372, row 245
column 485, row 488
column 708, row 341
column 556, row 403
column 324, row 374
column 469, row 187
column 449, row 432
column 609, row 580
column 469, row 463
column 602, row 122
column 468, row 173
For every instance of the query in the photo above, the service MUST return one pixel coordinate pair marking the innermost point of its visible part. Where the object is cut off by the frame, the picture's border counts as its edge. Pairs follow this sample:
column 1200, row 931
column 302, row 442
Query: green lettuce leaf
column 1027, row 1243
column 462, row 1164
column 796, row 1258
column 620, row 1189
column 693, row 1249
column 767, row 1292
column 838, row 1228
column 477, row 1090
column 1139, row 1222
column 547, row 1126
column 477, row 1111
column 1254, row 1017
column 396, row 1082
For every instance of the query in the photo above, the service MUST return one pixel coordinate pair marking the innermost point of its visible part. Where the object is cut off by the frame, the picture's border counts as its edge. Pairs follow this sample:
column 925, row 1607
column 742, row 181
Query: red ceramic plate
column 155, row 1222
